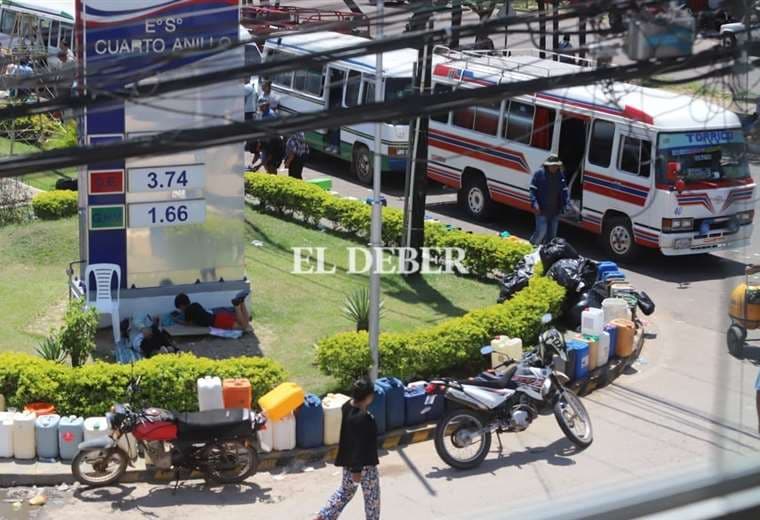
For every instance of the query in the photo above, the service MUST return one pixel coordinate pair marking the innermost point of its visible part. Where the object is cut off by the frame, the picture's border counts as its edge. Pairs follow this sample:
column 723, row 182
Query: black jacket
column 358, row 439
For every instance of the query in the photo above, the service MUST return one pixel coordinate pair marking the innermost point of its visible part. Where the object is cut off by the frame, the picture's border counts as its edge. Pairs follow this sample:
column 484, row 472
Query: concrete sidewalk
column 35, row 473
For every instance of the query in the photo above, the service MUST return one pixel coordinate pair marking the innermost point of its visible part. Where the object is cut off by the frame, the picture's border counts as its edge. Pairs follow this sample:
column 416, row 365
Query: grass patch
column 42, row 180
column 297, row 310
column 34, row 257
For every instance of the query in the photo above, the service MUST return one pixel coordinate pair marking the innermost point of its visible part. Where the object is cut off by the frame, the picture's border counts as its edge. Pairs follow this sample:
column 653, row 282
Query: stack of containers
column 70, row 435
column 284, row 433
column 46, row 436
column 210, row 395
column 23, row 435
column 6, row 435
column 278, row 405
column 237, row 393
column 310, row 426
column 332, row 410
column 394, row 402
column 377, row 409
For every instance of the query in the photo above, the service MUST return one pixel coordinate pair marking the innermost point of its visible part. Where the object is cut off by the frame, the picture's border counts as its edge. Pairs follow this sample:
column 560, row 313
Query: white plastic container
column 6, row 435
column 95, row 428
column 284, row 433
column 504, row 349
column 592, row 322
column 46, row 433
column 603, row 354
column 332, row 405
column 615, row 309
column 266, row 439
column 23, row 435
column 210, row 396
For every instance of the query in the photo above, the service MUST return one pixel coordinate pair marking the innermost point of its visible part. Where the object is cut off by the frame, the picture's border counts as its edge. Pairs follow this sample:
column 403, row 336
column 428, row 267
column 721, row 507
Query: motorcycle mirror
column 546, row 318
column 488, row 349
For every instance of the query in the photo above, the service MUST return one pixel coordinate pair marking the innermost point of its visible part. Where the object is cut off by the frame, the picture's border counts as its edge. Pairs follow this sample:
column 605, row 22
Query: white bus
column 646, row 167
column 40, row 26
column 345, row 83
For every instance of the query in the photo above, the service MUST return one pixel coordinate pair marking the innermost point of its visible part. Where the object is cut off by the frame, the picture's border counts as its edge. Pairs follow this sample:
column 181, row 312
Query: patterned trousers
column 370, row 489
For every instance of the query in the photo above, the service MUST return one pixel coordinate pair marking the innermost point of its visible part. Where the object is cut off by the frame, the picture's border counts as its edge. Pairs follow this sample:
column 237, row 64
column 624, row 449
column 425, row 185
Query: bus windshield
column 708, row 155
column 397, row 88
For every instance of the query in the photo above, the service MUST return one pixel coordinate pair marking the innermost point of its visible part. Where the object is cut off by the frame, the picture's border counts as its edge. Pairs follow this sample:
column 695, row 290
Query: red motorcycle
column 220, row 444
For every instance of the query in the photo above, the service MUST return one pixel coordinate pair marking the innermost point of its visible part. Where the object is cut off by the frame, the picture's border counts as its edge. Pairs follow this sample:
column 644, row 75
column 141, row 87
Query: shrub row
column 484, row 254
column 453, row 344
column 168, row 381
column 50, row 205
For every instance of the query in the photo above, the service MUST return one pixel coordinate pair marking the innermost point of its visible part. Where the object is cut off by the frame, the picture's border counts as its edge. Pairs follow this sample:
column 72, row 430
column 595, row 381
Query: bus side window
column 543, row 128
column 519, row 122
column 8, row 22
column 600, row 147
column 44, row 32
column 309, row 80
column 464, row 117
column 369, row 91
column 283, row 79
column 487, row 119
column 441, row 117
column 635, row 156
column 352, row 88
column 55, row 28
column 66, row 34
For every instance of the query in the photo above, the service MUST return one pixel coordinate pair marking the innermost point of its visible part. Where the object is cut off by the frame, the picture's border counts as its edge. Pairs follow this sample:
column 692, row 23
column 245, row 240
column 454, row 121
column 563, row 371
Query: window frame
column 308, row 73
column 621, row 151
column 358, row 90
column 271, row 55
column 591, row 147
column 450, row 88
column 506, row 111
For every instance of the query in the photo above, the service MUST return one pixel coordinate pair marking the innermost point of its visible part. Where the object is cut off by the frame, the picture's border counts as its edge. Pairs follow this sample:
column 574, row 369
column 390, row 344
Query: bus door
column 336, row 82
column 572, row 151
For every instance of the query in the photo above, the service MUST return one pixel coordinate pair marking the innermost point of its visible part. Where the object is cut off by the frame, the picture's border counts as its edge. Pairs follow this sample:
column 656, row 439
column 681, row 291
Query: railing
column 264, row 20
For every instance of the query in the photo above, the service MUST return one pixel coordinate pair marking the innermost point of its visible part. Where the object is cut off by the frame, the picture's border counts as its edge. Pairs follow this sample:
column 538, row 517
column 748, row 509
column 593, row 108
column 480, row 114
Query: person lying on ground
column 193, row 313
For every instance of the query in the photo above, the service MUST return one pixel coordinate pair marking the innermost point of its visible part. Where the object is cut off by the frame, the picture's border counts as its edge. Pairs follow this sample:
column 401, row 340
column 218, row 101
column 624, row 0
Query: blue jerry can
column 580, row 358
column 309, row 422
column 605, row 267
column 394, row 402
column 377, row 408
column 414, row 403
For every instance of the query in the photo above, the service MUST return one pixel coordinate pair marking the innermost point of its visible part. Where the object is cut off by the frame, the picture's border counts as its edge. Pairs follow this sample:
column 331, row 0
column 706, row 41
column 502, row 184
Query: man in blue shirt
column 549, row 196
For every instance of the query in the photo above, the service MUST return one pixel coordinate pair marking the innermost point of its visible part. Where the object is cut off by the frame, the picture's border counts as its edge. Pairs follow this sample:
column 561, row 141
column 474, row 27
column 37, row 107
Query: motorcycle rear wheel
column 228, row 462
column 104, row 471
column 571, row 415
column 456, row 427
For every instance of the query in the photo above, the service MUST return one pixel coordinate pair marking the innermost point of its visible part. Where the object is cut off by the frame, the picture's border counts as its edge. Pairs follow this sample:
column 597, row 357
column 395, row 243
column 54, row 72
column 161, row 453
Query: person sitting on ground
column 193, row 313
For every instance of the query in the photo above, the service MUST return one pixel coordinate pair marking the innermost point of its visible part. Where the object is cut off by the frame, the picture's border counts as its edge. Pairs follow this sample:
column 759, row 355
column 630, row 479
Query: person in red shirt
column 193, row 313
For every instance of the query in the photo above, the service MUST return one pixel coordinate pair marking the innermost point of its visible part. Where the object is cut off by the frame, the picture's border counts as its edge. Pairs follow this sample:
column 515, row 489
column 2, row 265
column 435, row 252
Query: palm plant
column 51, row 349
column 356, row 308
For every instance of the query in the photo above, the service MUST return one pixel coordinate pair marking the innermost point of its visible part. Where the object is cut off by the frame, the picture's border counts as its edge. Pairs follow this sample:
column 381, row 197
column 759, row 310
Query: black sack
column 511, row 284
column 572, row 309
column 566, row 272
column 645, row 303
column 588, row 270
column 556, row 249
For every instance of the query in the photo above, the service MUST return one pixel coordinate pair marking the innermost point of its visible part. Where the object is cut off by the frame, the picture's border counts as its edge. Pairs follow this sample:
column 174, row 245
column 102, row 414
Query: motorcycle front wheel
column 461, row 439
column 573, row 419
column 99, row 468
column 228, row 462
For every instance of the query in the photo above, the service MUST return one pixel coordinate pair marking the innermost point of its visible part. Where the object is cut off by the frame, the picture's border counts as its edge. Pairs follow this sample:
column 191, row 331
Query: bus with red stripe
column 647, row 168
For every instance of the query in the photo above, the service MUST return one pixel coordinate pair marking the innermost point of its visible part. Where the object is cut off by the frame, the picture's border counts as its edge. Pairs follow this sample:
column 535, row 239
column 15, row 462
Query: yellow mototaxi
column 744, row 311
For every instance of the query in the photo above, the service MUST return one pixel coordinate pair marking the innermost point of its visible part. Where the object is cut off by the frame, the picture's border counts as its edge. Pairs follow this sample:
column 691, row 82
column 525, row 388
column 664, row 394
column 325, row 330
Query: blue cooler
column 377, row 408
column 613, row 331
column 310, row 422
column 605, row 267
column 414, row 403
column 578, row 353
column 394, row 402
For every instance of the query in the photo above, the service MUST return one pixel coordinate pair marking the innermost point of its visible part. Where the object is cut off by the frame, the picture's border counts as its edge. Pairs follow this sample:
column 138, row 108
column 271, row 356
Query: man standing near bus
column 549, row 196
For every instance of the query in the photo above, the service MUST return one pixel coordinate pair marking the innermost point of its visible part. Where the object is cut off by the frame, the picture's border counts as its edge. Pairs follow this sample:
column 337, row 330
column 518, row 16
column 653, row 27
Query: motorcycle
column 220, row 444
column 508, row 401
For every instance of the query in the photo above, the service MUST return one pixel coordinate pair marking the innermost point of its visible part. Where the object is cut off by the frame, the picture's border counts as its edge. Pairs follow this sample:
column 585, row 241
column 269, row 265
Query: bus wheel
column 475, row 199
column 362, row 165
column 619, row 239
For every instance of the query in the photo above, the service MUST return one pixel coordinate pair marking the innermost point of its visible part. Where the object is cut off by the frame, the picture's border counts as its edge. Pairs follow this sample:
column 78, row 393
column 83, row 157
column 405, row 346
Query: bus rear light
column 677, row 224
column 745, row 217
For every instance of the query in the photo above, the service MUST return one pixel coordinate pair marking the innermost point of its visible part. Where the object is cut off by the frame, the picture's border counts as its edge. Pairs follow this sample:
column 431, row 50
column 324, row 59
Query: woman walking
column 357, row 455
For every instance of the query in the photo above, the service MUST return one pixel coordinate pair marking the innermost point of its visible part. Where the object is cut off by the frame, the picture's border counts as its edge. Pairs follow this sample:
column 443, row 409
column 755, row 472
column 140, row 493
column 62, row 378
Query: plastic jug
column 605, row 267
column 626, row 330
column 46, row 436
column 210, row 394
column 593, row 352
column 310, row 422
column 621, row 289
column 414, row 404
column 603, row 354
column 70, row 435
column 284, row 433
column 237, row 393
column 614, row 309
column 612, row 330
column 592, row 322
column 511, row 347
column 6, row 435
column 281, row 401
column 394, row 402
column 23, row 435
column 95, row 428
column 266, row 439
column 613, row 275
column 377, row 409
column 580, row 352
column 332, row 407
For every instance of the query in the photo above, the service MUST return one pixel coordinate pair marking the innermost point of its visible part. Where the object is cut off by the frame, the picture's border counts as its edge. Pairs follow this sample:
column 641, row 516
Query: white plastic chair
column 104, row 302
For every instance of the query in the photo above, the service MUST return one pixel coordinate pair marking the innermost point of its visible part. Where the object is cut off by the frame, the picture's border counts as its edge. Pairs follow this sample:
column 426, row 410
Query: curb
column 52, row 474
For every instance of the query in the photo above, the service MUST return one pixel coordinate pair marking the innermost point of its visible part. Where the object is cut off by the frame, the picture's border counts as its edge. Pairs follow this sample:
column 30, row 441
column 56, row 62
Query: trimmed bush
column 51, row 205
column 168, row 381
column 484, row 254
column 450, row 345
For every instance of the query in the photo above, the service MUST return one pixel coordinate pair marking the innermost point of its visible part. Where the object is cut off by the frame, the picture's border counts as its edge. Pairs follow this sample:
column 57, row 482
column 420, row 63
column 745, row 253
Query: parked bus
column 646, row 167
column 38, row 27
column 345, row 83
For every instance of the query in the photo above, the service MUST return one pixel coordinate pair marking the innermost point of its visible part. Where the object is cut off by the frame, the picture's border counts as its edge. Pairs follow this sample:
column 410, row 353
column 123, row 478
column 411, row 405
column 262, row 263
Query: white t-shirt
column 250, row 95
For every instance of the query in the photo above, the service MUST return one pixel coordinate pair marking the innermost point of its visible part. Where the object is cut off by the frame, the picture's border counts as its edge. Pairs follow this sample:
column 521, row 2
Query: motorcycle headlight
column 546, row 387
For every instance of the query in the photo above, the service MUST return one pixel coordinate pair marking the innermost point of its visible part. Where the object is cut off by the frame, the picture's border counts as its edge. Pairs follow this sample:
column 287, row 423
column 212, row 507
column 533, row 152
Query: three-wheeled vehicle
column 744, row 311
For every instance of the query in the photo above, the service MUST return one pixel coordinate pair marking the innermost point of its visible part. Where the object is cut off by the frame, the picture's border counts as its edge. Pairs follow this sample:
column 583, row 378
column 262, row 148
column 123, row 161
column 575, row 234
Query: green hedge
column 450, row 345
column 50, row 205
column 168, row 381
column 484, row 254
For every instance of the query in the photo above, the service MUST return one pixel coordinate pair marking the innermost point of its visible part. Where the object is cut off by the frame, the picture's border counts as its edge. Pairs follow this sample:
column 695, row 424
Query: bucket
column 23, row 435
column 40, row 408
column 332, row 409
column 70, row 435
column 210, row 394
column 626, row 330
column 6, row 435
column 394, row 402
column 46, row 436
column 310, row 422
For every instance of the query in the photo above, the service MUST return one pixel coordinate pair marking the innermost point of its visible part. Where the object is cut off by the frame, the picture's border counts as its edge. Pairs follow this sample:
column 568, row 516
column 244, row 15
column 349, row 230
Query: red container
column 156, row 431
column 40, row 408
column 237, row 393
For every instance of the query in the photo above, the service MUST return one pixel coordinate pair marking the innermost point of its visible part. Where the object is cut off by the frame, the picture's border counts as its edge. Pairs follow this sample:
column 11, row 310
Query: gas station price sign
column 166, row 178
column 171, row 213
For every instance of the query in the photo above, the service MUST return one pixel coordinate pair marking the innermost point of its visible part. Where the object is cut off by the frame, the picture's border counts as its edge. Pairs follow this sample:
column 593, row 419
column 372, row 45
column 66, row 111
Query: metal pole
column 377, row 216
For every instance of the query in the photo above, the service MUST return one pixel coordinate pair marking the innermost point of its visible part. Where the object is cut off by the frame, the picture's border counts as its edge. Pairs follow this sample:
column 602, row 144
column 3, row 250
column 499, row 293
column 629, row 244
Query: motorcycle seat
column 214, row 424
column 497, row 381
